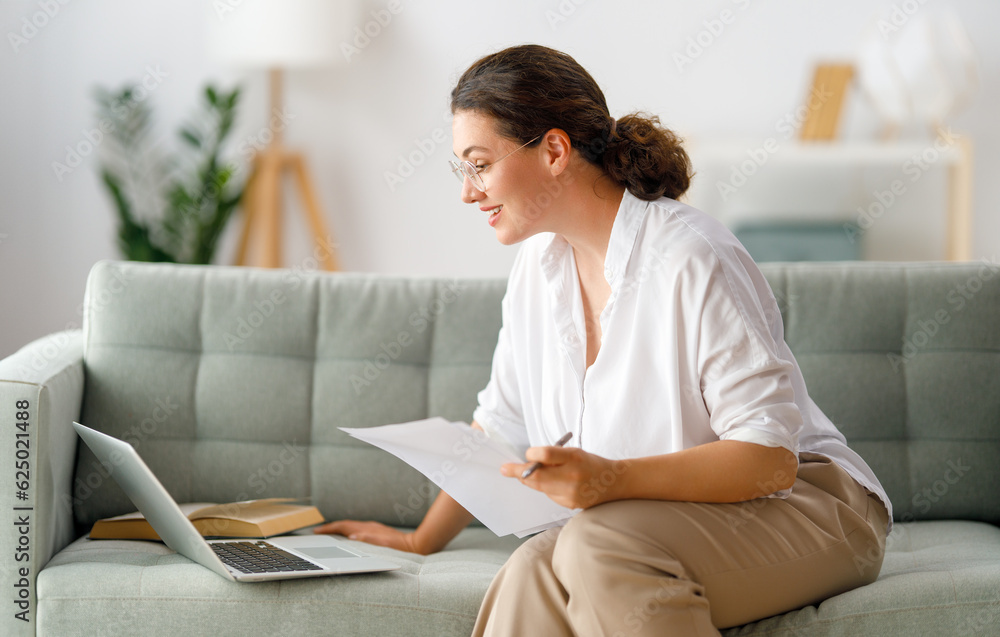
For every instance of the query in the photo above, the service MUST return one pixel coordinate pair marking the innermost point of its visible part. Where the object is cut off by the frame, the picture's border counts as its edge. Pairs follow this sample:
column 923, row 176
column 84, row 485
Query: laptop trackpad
column 325, row 552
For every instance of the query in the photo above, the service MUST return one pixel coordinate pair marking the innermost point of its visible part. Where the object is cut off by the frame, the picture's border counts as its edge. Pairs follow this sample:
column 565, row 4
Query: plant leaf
column 190, row 137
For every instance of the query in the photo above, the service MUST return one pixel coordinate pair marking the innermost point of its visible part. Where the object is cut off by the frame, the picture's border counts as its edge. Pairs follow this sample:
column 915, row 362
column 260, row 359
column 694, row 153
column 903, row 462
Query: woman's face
column 515, row 199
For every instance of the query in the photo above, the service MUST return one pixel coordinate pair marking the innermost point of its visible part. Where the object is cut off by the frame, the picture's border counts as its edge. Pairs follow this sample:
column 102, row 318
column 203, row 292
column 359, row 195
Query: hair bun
column 646, row 158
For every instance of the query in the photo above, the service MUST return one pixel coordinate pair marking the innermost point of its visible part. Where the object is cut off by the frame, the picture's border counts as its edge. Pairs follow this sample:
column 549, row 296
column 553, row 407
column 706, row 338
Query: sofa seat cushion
column 938, row 578
column 112, row 587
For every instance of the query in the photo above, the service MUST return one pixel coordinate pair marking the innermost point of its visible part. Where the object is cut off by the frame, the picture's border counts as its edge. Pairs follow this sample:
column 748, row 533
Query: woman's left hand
column 571, row 477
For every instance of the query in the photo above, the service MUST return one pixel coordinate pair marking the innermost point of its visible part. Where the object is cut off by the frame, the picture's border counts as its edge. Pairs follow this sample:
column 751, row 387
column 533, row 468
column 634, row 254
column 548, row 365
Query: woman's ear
column 556, row 149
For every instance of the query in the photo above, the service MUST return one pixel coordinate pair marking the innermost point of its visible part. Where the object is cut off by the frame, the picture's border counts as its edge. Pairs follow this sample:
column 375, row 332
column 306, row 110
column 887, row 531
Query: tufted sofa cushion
column 232, row 383
column 905, row 359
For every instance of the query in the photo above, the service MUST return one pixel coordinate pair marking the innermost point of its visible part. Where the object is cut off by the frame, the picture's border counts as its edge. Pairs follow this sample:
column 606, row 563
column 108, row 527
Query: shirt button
column 609, row 273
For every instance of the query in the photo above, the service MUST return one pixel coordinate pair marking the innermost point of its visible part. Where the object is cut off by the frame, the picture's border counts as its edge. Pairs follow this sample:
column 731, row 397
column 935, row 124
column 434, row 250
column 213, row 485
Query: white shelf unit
column 726, row 161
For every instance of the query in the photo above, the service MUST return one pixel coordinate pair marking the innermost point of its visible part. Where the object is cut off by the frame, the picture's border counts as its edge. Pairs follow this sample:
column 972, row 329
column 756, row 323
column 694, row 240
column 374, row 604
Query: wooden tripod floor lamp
column 262, row 199
column 277, row 35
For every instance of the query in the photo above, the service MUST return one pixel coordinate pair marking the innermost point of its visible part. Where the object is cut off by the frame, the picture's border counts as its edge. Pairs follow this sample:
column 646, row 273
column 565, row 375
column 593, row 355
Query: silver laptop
column 284, row 557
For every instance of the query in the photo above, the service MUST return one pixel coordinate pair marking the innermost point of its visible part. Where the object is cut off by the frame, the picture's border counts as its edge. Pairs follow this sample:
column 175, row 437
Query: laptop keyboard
column 260, row 557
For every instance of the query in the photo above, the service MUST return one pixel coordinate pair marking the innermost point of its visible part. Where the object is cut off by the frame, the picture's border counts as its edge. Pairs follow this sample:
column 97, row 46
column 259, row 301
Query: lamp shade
column 924, row 70
column 278, row 33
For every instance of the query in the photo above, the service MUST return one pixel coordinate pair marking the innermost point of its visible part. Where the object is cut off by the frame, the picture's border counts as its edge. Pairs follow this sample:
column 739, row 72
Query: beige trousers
column 651, row 567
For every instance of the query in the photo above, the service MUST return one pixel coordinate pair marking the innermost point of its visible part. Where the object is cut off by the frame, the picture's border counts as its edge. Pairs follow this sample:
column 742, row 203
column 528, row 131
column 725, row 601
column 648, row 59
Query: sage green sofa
column 232, row 383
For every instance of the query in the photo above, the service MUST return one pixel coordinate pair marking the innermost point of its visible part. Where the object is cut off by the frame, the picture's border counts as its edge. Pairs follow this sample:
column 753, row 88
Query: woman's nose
column 470, row 194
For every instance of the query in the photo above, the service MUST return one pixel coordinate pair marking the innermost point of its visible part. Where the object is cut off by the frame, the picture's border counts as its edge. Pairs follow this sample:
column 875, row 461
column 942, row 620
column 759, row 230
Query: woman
column 714, row 491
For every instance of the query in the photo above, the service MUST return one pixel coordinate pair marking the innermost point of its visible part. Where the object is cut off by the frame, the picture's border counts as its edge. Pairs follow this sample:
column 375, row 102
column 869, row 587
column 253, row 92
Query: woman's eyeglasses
column 463, row 169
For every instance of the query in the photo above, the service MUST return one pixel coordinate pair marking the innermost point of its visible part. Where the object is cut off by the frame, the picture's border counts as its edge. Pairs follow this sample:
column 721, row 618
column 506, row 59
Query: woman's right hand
column 444, row 520
column 372, row 533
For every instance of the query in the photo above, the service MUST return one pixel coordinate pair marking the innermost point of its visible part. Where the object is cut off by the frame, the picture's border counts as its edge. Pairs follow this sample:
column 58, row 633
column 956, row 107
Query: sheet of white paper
column 465, row 463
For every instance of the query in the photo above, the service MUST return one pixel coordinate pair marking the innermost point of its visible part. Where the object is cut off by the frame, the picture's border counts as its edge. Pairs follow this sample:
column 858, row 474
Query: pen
column 562, row 441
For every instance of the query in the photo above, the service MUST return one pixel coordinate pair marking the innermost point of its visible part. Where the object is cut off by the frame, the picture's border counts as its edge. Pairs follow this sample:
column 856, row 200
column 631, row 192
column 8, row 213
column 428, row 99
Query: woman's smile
column 494, row 214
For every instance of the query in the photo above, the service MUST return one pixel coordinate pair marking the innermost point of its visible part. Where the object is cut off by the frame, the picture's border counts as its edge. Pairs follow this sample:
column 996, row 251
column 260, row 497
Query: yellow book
column 250, row 519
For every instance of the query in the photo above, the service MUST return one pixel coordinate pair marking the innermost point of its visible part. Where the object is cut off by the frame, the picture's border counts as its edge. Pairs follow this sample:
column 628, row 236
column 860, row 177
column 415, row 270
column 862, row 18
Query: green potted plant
column 170, row 207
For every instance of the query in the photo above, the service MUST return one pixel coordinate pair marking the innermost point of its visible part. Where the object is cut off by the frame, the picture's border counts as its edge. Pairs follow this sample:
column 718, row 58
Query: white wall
column 355, row 120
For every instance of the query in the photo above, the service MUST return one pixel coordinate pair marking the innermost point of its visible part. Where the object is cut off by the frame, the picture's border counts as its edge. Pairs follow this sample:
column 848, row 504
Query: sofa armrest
column 41, row 387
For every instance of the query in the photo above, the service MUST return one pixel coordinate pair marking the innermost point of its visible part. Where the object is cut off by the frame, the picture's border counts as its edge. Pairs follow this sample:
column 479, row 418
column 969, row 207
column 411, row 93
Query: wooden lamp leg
column 262, row 207
column 324, row 240
column 270, row 198
column 959, row 234
column 251, row 205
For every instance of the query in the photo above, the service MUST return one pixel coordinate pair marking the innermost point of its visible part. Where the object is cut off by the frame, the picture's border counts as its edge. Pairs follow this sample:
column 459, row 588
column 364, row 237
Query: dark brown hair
column 531, row 89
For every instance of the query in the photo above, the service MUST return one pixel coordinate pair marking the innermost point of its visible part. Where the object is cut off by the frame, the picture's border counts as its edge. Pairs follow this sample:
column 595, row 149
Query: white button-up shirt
column 692, row 349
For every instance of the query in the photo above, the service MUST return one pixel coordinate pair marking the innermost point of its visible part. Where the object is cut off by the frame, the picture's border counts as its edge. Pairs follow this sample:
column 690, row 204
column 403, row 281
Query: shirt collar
column 624, row 230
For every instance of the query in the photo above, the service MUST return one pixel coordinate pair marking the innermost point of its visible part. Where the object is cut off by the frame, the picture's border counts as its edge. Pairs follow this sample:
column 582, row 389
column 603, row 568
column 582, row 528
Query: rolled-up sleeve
column 755, row 405
column 745, row 384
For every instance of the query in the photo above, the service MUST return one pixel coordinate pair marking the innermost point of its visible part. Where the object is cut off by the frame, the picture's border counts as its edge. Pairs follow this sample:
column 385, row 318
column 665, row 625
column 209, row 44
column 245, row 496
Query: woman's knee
column 579, row 550
column 534, row 554
column 597, row 538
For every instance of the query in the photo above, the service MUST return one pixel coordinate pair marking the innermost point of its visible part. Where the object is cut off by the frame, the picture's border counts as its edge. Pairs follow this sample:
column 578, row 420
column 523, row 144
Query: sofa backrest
column 232, row 382
column 905, row 360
